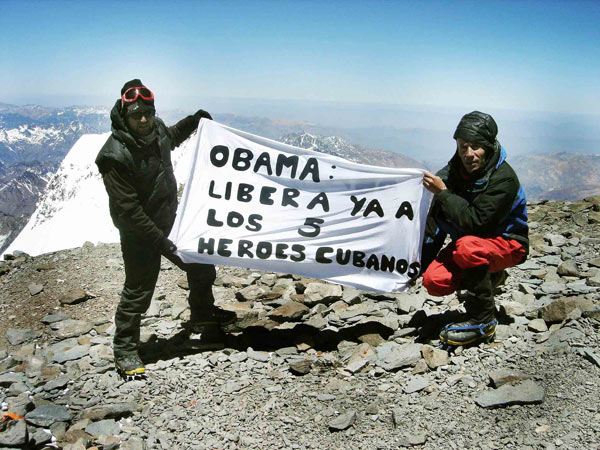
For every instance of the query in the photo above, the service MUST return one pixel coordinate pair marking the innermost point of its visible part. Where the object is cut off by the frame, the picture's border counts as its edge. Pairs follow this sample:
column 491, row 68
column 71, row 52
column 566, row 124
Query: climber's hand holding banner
column 257, row 203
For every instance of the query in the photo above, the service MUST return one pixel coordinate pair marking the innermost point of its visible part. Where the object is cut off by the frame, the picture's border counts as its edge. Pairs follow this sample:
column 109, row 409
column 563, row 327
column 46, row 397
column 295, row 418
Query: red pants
column 443, row 275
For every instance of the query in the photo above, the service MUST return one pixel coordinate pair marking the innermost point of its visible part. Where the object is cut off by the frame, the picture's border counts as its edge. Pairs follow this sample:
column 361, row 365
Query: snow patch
column 74, row 206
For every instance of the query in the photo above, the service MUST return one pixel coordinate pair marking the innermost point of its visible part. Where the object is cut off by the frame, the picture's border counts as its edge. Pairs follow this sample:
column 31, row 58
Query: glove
column 167, row 247
column 201, row 114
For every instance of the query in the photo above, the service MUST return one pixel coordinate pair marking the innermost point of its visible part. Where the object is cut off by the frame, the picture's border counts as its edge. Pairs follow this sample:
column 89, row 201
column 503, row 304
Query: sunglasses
column 133, row 93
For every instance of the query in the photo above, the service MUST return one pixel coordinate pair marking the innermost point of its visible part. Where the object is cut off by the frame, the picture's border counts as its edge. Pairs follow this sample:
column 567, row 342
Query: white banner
column 257, row 203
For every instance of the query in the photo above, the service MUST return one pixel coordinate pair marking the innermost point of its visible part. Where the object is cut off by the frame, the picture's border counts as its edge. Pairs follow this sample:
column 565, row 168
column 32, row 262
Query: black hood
column 121, row 131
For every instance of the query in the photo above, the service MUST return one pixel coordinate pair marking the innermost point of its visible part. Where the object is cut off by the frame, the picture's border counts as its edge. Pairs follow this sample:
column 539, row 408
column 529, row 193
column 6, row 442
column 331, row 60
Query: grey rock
column 594, row 262
column 501, row 377
column 434, row 357
column 595, row 280
column 133, row 443
column 290, row 311
column 286, row 351
column 72, row 354
column 155, row 308
column 568, row 268
column 71, row 328
column 51, row 318
column 234, row 386
column 389, row 321
column 35, row 288
column 250, row 293
column 591, row 356
column 58, row 429
column 62, row 346
column 20, row 404
column 39, row 436
column 569, row 252
column 257, row 355
column 527, row 288
column 17, row 336
column 410, row 302
column 46, row 415
column 73, row 297
column 7, row 379
column 524, row 393
column 356, row 365
column 579, row 287
column 343, row 421
column 110, row 411
column 551, row 260
column 529, row 265
column 514, row 308
column 57, row 383
column 238, row 357
column 178, row 309
column 416, row 384
column 552, row 287
column 13, row 433
column 351, row 296
column 301, row 367
column 372, row 408
column 556, row 240
column 537, row 325
column 100, row 353
column 325, row 397
column 107, row 427
column 393, row 356
column 322, row 293
column 231, row 280
column 559, row 340
column 559, row 309
column 18, row 388
column 413, row 440
column 580, row 219
column 593, row 313
column 360, row 309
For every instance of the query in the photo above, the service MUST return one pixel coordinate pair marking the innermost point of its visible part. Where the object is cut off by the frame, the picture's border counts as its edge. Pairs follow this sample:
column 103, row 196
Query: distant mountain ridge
column 336, row 146
column 558, row 176
column 34, row 133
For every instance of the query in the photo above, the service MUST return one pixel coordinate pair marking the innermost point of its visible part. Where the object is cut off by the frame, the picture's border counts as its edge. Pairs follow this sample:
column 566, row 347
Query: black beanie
column 139, row 105
column 132, row 83
column 477, row 127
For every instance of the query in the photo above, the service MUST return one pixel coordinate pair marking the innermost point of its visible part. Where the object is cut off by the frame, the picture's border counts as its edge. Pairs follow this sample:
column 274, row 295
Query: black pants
column 142, row 265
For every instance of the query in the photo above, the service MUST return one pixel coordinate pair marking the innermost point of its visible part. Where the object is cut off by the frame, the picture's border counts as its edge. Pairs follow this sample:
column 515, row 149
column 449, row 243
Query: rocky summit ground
column 309, row 365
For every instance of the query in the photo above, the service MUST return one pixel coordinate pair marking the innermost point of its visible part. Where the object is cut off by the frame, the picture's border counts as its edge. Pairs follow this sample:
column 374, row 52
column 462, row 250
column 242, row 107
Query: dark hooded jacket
column 138, row 176
column 487, row 203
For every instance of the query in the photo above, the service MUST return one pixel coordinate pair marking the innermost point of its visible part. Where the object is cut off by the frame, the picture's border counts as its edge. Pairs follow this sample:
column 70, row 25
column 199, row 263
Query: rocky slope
column 20, row 187
column 308, row 364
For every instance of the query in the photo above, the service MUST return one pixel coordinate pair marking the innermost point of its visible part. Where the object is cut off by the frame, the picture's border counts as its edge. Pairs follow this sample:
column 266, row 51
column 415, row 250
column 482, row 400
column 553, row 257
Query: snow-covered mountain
column 74, row 206
column 33, row 142
column 34, row 133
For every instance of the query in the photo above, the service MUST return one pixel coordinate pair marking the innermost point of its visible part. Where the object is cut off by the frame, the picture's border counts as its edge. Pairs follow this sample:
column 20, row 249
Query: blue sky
column 521, row 55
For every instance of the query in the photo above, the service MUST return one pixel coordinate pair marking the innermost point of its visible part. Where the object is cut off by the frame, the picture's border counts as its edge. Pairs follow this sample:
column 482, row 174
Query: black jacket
column 490, row 202
column 139, row 178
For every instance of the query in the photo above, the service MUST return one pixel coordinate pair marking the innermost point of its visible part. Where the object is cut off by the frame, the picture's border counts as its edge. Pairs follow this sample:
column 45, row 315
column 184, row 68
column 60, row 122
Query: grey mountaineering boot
column 480, row 324
column 130, row 366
